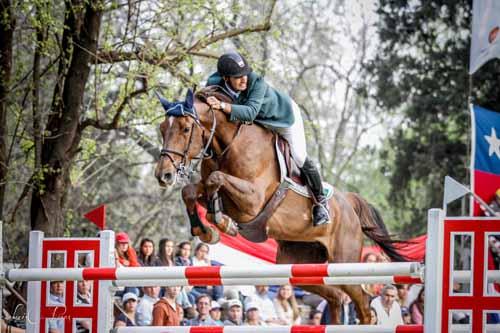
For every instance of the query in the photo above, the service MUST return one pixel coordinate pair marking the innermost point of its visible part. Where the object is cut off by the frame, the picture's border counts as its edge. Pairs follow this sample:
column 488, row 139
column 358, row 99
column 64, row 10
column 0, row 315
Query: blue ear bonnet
column 179, row 109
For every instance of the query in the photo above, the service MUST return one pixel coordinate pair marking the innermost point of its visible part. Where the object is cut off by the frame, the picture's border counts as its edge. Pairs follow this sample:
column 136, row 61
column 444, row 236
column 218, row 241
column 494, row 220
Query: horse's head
column 183, row 139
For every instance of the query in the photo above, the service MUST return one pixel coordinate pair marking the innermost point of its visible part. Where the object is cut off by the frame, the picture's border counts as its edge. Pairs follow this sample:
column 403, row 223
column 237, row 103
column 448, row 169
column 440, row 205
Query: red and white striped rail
column 304, row 281
column 273, row 329
column 217, row 272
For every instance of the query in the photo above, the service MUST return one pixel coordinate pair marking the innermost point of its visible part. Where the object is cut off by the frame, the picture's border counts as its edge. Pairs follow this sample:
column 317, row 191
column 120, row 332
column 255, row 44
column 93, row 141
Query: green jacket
column 259, row 103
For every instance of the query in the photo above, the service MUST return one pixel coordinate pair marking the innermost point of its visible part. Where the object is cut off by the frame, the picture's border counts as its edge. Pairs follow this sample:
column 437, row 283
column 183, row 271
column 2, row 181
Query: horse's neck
column 225, row 130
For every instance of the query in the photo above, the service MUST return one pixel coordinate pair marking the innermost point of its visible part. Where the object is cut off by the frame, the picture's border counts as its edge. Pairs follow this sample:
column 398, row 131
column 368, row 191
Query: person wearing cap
column 253, row 315
column 254, row 100
column 203, row 305
column 166, row 312
column 216, row 313
column 125, row 254
column 127, row 317
column 234, row 313
column 265, row 304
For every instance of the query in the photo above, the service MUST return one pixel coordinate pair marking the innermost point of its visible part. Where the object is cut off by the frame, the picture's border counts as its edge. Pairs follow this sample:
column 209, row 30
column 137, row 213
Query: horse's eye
column 186, row 130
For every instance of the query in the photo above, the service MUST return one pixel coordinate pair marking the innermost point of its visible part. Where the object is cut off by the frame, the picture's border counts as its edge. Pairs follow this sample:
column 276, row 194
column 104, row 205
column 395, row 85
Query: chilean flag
column 485, row 161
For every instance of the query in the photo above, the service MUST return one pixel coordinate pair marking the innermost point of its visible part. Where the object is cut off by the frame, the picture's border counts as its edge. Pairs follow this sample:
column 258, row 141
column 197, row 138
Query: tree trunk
column 63, row 131
column 6, row 33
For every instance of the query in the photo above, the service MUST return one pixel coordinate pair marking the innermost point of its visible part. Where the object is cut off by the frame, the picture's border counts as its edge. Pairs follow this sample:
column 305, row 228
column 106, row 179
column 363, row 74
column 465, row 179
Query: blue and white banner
column 485, row 44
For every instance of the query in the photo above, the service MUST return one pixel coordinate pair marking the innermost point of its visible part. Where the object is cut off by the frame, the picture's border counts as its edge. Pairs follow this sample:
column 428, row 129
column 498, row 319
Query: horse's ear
column 189, row 102
column 164, row 102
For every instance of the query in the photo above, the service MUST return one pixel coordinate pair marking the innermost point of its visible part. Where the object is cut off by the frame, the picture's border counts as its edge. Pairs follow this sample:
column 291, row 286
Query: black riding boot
column 320, row 212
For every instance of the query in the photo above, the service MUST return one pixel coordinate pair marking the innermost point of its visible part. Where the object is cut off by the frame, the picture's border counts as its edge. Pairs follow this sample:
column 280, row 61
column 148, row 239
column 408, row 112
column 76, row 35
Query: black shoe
column 321, row 214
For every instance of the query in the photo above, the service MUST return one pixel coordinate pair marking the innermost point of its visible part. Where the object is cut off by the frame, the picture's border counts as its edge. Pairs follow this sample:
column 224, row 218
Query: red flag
column 97, row 216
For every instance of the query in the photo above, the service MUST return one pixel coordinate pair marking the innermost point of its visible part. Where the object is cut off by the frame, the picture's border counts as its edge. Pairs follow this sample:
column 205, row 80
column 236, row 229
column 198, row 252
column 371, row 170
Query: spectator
column 348, row 314
column 125, row 254
column 127, row 317
column 403, row 295
column 147, row 256
column 166, row 253
column 83, row 326
column 183, row 257
column 417, row 309
column 216, row 313
column 203, row 304
column 405, row 314
column 286, row 305
column 126, row 257
column 494, row 205
column 253, row 315
column 373, row 316
column 265, row 304
column 200, row 258
column 315, row 317
column 387, row 309
column 234, row 313
column 182, row 319
column 56, row 295
column 166, row 312
column 83, row 292
column 144, row 313
column 371, row 289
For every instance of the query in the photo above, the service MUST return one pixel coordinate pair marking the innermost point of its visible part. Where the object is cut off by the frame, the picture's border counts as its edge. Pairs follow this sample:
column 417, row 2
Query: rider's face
column 239, row 83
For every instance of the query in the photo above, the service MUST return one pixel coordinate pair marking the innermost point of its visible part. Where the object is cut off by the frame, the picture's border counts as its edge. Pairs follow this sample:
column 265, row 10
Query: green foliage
column 420, row 74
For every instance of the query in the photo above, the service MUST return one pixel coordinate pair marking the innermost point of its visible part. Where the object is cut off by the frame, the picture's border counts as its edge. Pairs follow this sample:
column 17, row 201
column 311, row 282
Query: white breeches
column 295, row 136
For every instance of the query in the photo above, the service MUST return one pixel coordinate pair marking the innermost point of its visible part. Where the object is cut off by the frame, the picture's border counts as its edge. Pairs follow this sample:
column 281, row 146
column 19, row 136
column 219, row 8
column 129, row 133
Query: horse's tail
column 373, row 227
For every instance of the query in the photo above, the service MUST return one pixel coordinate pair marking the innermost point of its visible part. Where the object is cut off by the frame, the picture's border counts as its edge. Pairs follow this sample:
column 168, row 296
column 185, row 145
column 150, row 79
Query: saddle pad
column 294, row 186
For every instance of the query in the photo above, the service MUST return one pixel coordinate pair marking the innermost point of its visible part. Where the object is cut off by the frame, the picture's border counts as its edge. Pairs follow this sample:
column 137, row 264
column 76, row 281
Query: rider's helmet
column 233, row 64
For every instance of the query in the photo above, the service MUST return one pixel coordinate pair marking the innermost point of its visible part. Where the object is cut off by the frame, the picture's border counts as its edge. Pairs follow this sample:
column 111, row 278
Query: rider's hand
column 213, row 102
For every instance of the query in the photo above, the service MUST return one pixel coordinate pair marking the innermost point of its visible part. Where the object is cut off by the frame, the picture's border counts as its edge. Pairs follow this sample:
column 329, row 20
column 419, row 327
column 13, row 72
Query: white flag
column 485, row 33
column 453, row 190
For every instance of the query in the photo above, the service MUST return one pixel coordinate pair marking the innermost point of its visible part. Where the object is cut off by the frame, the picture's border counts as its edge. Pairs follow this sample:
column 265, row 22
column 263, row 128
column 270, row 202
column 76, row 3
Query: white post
column 105, row 299
column 34, row 287
column 434, row 270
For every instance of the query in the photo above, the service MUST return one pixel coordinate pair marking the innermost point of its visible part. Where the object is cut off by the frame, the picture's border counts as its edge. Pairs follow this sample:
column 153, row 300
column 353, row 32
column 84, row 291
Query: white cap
column 129, row 296
column 233, row 302
column 252, row 306
column 215, row 305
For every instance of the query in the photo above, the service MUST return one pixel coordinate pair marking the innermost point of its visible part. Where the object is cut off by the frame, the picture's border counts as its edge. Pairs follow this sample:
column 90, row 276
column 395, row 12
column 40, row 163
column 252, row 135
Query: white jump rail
column 351, row 280
column 215, row 272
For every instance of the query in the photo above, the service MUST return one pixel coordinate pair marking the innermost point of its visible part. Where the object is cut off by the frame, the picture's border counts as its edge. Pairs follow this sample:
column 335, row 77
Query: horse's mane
column 215, row 91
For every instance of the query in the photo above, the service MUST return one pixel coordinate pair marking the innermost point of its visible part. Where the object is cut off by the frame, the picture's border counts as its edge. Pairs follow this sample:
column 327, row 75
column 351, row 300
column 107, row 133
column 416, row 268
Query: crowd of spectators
column 212, row 306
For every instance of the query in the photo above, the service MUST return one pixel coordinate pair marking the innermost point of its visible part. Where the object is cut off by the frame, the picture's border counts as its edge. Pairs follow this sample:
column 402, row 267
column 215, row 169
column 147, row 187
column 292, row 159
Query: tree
column 420, row 75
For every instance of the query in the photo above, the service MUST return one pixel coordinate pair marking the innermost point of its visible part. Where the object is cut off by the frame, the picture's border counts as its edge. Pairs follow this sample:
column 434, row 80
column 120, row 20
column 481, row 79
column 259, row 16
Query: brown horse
column 244, row 168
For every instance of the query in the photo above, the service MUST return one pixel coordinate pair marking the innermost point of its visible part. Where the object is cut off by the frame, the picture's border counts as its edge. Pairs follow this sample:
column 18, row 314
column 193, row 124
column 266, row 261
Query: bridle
column 184, row 169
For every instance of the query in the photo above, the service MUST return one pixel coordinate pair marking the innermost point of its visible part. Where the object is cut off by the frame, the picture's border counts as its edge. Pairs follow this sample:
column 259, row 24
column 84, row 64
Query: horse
column 239, row 164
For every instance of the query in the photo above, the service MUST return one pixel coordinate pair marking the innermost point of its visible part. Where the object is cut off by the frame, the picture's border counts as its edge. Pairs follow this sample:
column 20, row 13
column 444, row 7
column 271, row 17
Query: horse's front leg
column 190, row 194
column 247, row 196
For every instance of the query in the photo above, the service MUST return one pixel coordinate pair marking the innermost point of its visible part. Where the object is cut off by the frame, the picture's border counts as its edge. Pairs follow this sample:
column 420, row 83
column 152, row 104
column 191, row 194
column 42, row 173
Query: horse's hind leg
column 190, row 194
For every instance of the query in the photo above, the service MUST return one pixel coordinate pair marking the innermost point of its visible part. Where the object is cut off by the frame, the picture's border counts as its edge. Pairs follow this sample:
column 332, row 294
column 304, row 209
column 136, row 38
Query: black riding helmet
column 233, row 64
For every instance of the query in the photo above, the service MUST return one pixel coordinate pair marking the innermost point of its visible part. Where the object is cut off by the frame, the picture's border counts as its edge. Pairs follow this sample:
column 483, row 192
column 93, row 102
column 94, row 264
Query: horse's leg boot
column 320, row 211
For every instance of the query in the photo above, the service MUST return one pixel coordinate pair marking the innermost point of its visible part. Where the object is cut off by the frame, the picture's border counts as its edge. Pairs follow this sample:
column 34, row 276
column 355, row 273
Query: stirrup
column 320, row 214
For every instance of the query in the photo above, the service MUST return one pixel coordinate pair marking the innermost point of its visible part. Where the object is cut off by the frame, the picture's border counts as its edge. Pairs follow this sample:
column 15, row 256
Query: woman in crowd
column 315, row 317
column 147, row 256
column 166, row 253
column 373, row 290
column 201, row 258
column 127, row 317
column 417, row 309
column 125, row 254
column 183, row 257
column 286, row 305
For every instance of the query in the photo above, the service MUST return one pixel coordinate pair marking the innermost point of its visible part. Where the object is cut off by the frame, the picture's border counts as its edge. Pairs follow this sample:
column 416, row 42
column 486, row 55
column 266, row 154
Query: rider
column 256, row 101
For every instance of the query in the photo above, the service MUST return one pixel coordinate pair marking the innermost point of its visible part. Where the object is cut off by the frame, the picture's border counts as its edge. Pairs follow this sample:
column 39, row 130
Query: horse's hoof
column 228, row 226
column 210, row 237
